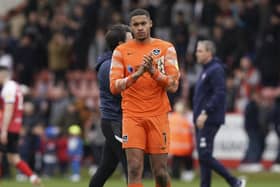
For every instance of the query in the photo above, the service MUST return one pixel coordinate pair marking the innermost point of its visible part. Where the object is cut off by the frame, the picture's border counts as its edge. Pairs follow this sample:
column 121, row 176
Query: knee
column 13, row 159
column 134, row 168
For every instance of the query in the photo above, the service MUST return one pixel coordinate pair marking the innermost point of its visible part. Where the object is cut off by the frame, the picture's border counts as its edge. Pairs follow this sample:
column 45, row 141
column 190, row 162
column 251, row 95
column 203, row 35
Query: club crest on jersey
column 129, row 69
column 156, row 52
column 203, row 76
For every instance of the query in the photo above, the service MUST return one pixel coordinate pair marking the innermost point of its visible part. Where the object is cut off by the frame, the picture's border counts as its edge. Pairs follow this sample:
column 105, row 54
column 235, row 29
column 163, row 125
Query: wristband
column 129, row 81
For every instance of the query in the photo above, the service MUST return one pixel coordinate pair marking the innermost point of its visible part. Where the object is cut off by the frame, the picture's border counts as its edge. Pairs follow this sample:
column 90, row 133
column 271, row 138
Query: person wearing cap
column 11, row 109
column 75, row 151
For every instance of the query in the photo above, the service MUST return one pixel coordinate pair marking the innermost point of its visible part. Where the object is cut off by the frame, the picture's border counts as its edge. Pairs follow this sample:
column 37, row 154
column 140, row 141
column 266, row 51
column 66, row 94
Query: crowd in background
column 54, row 45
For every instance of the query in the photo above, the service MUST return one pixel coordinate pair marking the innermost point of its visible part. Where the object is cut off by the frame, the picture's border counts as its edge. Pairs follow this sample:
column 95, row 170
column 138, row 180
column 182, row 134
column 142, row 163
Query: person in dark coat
column 276, row 120
column 110, row 107
column 209, row 113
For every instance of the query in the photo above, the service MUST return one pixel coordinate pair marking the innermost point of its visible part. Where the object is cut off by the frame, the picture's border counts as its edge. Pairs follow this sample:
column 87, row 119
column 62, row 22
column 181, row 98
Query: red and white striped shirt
column 11, row 93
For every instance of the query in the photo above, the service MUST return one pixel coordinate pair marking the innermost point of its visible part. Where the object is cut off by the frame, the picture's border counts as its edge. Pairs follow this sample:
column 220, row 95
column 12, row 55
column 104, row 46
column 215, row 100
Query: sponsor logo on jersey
column 203, row 76
column 129, row 69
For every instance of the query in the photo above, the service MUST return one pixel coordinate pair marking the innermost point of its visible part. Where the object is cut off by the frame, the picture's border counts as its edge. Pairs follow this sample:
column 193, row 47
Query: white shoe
column 243, row 182
column 21, row 177
column 187, row 176
column 75, row 178
column 35, row 180
column 275, row 168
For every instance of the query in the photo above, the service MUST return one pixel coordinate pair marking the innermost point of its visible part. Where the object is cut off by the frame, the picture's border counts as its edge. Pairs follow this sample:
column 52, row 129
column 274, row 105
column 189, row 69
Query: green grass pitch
column 264, row 179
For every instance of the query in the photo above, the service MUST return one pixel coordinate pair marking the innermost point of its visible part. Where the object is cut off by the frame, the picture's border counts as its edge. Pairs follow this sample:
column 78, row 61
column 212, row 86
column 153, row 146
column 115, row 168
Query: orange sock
column 135, row 185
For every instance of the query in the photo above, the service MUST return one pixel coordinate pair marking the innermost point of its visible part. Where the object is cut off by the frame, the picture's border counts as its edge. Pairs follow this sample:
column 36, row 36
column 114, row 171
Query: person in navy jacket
column 209, row 113
column 110, row 107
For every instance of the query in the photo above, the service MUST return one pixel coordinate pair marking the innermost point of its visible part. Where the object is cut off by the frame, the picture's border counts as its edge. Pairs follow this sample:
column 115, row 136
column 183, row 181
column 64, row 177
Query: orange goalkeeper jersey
column 145, row 97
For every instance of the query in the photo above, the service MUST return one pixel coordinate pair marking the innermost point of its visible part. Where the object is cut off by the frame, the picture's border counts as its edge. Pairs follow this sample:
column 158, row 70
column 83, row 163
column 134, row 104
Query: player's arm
column 7, row 116
column 9, row 101
column 118, row 81
column 217, row 82
column 169, row 80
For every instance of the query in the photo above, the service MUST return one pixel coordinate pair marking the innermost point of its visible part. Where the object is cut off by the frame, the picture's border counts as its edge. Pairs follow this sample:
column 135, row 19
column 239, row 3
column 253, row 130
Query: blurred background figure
column 62, row 154
column 276, row 120
column 181, row 144
column 248, row 81
column 257, row 125
column 49, row 151
column 75, row 151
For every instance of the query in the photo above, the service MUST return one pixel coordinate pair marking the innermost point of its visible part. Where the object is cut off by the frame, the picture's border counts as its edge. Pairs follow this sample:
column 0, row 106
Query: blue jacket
column 75, row 147
column 210, row 93
column 110, row 105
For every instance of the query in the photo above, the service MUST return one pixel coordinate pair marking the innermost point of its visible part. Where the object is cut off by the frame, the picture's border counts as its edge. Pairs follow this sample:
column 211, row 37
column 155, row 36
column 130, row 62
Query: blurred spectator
column 95, row 139
column 49, row 151
column 250, row 18
column 210, row 11
column 61, row 152
column 180, row 35
column 104, row 14
column 60, row 101
column 276, row 120
column 75, row 151
column 268, row 53
column 30, row 137
column 257, row 129
column 248, row 79
column 7, row 42
column 59, row 48
column 25, row 59
column 184, row 8
column 69, row 116
column 232, row 93
column 86, row 34
column 181, row 144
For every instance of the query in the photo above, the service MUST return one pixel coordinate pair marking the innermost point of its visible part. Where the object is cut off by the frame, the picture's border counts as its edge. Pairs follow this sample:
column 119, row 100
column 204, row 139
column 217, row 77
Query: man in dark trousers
column 110, row 108
column 276, row 120
column 209, row 113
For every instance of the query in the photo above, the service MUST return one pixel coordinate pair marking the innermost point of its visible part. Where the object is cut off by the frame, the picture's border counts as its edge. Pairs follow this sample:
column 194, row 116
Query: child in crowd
column 49, row 151
column 75, row 151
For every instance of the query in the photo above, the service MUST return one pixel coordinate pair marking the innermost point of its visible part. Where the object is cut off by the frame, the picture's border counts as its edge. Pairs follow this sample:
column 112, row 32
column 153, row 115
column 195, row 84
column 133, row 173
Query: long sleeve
column 217, row 82
column 117, row 80
column 168, row 75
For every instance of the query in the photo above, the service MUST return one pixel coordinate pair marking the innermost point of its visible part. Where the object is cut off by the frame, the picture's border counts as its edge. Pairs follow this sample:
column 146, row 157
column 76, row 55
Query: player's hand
column 200, row 122
column 140, row 70
column 148, row 63
column 4, row 137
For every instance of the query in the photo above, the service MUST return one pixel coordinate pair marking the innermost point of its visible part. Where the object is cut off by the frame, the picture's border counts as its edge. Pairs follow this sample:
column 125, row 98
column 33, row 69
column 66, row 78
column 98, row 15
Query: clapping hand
column 148, row 63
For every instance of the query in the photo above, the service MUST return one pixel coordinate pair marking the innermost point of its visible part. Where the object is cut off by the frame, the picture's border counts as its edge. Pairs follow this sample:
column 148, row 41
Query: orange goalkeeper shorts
column 150, row 134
